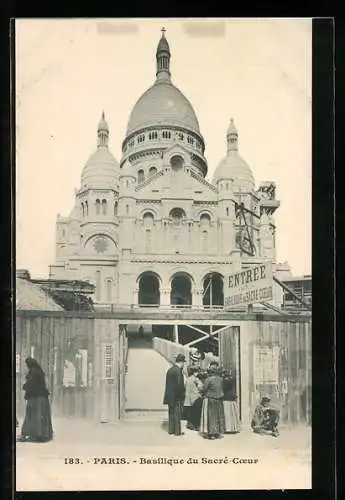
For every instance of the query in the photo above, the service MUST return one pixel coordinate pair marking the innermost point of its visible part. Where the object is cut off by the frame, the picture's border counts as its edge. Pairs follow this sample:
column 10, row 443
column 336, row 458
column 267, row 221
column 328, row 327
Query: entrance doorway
column 181, row 290
column 149, row 361
column 149, row 293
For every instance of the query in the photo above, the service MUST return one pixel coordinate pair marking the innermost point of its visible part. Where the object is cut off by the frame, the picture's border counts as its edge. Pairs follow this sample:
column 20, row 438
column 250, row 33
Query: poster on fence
column 266, row 365
column 108, row 362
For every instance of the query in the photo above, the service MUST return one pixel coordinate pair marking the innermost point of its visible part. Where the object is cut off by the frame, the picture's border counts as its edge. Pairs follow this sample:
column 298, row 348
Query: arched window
column 181, row 290
column 204, row 242
column 148, row 240
column 149, row 293
column 153, row 135
column 148, row 219
column 177, row 214
column 227, row 211
column 227, row 186
column 63, row 233
column 115, row 207
column 176, row 162
column 213, row 293
column 141, row 176
column 104, row 207
column 127, row 209
column 98, row 207
column 86, row 208
column 205, row 220
column 152, row 171
column 82, row 209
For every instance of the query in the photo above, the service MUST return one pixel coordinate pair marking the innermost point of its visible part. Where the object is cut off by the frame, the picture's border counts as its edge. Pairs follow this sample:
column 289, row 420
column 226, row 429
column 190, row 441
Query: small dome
column 234, row 167
column 101, row 169
column 163, row 104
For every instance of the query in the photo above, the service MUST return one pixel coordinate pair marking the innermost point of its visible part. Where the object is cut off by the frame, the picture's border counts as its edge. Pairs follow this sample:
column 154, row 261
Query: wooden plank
column 197, row 317
column 298, row 379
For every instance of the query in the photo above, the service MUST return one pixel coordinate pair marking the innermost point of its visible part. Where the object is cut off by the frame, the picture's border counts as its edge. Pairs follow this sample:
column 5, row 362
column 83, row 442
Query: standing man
column 174, row 394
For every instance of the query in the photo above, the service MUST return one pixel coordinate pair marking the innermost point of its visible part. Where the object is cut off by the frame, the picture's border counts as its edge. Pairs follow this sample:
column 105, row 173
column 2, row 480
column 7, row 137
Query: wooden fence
column 276, row 360
column 83, row 359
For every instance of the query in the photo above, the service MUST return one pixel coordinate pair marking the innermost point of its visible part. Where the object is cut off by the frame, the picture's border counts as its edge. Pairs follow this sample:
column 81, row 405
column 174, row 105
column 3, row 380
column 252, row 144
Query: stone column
column 165, row 296
column 135, row 296
column 197, row 297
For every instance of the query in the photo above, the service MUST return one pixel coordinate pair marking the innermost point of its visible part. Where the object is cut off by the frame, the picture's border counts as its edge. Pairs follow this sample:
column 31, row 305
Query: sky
column 257, row 71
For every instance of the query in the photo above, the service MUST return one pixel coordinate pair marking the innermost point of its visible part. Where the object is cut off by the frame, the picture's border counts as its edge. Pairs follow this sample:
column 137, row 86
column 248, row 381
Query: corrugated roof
column 32, row 296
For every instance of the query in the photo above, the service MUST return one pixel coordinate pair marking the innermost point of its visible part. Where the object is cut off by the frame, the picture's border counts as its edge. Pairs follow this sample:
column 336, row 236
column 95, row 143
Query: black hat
column 180, row 358
column 266, row 397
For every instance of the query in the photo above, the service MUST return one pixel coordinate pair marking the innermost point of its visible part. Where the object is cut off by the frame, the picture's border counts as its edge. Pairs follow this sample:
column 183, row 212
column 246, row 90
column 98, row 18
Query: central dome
column 163, row 104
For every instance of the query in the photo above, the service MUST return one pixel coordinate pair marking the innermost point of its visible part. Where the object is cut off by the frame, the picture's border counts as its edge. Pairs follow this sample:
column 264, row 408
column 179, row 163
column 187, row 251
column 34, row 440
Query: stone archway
column 149, row 289
column 213, row 290
column 181, row 290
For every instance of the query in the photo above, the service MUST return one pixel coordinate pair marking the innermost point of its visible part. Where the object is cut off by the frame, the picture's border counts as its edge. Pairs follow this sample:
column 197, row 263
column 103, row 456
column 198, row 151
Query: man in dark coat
column 174, row 395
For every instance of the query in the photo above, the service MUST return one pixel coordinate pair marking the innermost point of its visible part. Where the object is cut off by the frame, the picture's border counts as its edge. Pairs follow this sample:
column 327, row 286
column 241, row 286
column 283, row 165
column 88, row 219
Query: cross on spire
column 163, row 30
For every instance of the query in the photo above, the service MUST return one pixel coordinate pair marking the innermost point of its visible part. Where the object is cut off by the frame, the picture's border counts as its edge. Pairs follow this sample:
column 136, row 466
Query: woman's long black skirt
column 37, row 425
column 212, row 417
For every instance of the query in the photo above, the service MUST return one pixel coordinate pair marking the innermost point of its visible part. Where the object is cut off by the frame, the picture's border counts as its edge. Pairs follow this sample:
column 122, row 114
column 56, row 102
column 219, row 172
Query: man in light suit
column 174, row 395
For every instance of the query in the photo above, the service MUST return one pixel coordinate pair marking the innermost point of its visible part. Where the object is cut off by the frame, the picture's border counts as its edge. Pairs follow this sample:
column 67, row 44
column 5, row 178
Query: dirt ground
column 121, row 456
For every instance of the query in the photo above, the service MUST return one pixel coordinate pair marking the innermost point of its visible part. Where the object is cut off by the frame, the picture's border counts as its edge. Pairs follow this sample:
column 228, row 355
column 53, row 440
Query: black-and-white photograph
column 163, row 336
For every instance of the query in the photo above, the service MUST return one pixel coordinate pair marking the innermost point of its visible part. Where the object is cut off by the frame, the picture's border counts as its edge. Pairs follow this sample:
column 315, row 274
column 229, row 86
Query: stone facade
column 151, row 228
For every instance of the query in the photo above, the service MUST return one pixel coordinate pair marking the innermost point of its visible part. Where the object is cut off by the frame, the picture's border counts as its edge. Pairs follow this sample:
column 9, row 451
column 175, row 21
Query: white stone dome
column 233, row 166
column 101, row 169
column 163, row 104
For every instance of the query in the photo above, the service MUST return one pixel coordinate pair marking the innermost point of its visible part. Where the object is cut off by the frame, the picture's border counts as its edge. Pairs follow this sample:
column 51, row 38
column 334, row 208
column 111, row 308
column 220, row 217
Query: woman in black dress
column 37, row 425
column 212, row 423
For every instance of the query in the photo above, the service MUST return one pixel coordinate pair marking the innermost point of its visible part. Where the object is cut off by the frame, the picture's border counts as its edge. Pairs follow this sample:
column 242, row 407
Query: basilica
column 152, row 229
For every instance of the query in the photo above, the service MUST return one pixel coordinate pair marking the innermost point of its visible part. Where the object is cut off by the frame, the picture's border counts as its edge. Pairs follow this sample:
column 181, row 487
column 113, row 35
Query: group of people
column 208, row 402
column 37, row 425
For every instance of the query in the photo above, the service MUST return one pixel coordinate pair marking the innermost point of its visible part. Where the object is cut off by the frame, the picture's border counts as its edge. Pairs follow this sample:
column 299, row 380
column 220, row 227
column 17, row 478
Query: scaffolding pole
column 176, row 339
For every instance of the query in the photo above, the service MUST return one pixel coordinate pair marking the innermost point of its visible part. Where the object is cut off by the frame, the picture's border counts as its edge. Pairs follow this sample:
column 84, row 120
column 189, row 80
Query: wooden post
column 107, row 385
column 245, row 336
